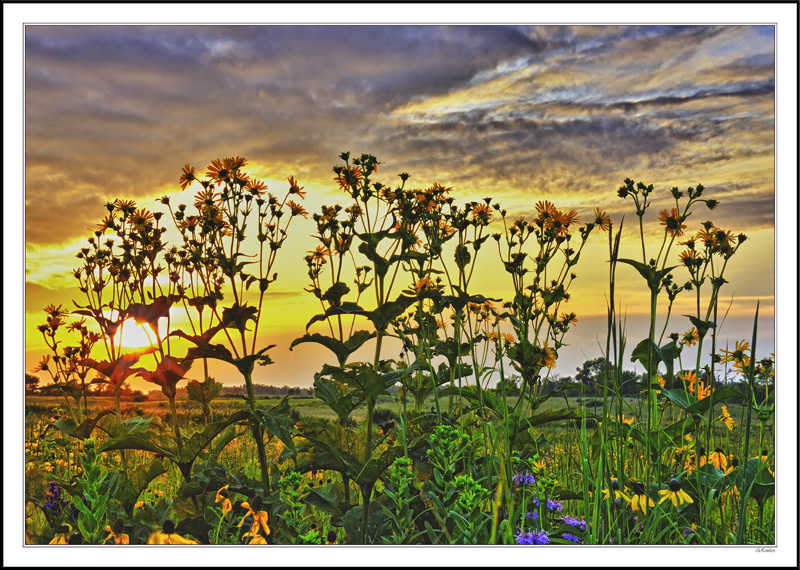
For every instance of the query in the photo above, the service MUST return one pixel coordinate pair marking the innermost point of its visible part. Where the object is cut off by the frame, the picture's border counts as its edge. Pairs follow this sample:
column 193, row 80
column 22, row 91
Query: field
column 462, row 439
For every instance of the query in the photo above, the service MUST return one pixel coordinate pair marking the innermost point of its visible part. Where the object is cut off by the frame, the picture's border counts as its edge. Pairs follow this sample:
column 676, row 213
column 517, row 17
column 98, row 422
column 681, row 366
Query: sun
column 133, row 335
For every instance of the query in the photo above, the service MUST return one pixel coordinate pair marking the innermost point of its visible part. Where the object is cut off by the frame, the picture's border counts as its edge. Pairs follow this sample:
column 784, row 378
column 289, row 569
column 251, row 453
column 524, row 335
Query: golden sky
column 520, row 113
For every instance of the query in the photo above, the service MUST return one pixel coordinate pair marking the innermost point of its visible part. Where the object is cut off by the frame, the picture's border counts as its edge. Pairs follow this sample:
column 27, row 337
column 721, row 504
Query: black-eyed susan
column 718, row 459
column 116, row 531
column 331, row 538
column 62, row 534
column 224, row 497
column 260, row 517
column 615, row 491
column 675, row 494
column 167, row 535
column 256, row 536
column 639, row 500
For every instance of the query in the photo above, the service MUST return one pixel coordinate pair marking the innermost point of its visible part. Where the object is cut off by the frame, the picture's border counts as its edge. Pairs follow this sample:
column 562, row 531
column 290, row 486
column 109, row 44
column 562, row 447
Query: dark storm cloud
column 117, row 110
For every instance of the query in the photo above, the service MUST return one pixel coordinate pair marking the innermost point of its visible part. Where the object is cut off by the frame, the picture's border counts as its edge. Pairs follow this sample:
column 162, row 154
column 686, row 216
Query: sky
column 512, row 102
column 520, row 113
column 517, row 112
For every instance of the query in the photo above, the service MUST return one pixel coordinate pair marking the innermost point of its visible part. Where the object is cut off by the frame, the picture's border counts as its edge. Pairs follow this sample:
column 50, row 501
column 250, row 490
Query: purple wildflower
column 532, row 515
column 532, row 537
column 554, row 505
column 576, row 523
column 570, row 537
column 524, row 478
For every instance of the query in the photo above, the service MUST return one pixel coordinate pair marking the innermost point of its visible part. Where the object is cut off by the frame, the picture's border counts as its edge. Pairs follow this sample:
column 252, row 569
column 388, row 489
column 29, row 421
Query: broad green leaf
column 640, row 354
column 82, row 431
column 335, row 293
column 204, row 393
column 342, row 350
column 701, row 326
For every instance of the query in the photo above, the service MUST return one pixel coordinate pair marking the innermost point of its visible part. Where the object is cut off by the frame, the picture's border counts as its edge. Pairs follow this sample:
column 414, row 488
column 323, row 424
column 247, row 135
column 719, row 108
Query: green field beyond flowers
column 465, row 438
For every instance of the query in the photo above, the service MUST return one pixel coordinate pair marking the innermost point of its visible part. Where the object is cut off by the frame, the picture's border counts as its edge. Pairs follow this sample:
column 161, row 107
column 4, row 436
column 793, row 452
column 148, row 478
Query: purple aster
column 553, row 505
column 532, row 537
column 570, row 537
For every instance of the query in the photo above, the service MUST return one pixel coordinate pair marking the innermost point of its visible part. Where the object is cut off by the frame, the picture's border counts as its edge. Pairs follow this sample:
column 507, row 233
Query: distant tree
column 31, row 384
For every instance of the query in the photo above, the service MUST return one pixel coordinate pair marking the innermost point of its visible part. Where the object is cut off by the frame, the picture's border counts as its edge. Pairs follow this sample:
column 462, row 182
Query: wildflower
column 602, row 220
column 141, row 219
column 533, row 515
column 690, row 258
column 295, row 188
column 223, row 495
column 481, row 214
column 424, row 284
column 570, row 318
column 548, row 358
column 523, row 478
column 726, row 418
column 255, row 536
column 736, row 355
column 348, row 176
column 187, row 176
column 690, row 337
column 62, row 534
column 331, row 538
column 532, row 537
column 554, row 506
column 297, row 209
column 672, row 221
column 701, row 391
column 718, row 459
column 615, row 491
column 42, row 364
column 260, row 517
column 570, row 537
column 508, row 338
column 639, row 500
column 575, row 523
column 168, row 535
column 256, row 186
column 675, row 494
column 115, row 531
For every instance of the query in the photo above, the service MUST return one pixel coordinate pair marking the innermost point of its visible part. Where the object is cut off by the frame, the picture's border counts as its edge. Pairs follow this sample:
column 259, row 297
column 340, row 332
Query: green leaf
column 701, row 326
column 133, row 482
column 277, row 422
column 82, row 431
column 342, row 350
column 640, row 354
column 335, row 293
column 346, row 308
column 387, row 312
column 651, row 275
column 694, row 406
column 204, row 393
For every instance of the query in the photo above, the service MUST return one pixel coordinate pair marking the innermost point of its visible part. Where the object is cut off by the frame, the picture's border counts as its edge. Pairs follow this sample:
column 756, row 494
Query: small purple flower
column 576, row 523
column 532, row 537
column 536, row 501
column 554, row 506
column 571, row 537
column 532, row 515
column 524, row 478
